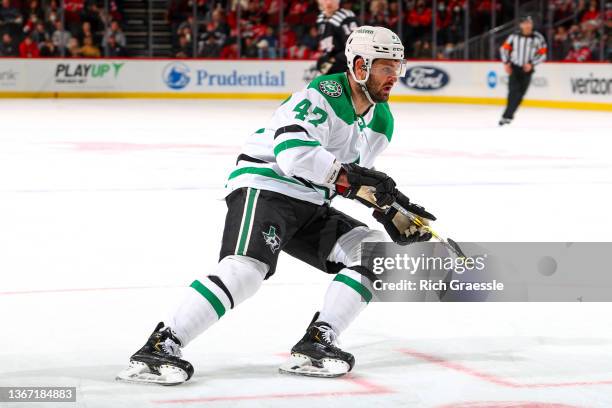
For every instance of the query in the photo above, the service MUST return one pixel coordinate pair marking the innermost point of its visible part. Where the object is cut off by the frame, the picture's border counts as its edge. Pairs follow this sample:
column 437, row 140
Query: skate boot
column 318, row 354
column 158, row 361
column 504, row 121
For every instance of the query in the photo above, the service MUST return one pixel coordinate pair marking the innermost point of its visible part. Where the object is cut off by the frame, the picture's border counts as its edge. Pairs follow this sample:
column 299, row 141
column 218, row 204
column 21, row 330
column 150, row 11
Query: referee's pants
column 517, row 88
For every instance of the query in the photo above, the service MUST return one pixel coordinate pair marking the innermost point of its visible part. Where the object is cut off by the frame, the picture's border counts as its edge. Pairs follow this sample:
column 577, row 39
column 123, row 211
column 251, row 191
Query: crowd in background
column 30, row 30
column 224, row 30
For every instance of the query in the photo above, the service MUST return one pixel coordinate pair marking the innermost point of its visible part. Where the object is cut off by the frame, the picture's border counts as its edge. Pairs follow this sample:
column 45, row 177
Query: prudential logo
column 176, row 75
column 492, row 79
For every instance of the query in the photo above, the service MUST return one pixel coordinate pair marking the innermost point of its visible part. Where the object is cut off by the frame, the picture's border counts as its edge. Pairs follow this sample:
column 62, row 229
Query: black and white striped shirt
column 335, row 30
column 520, row 49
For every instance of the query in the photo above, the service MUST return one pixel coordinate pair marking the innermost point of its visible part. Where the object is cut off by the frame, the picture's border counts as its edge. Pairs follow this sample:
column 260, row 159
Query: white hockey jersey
column 294, row 154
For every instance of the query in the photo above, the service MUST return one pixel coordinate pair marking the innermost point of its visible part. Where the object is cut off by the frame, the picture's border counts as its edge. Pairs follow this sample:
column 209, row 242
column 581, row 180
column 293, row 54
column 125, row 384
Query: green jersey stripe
column 246, row 222
column 359, row 288
column 267, row 172
column 210, row 296
column 262, row 171
column 291, row 143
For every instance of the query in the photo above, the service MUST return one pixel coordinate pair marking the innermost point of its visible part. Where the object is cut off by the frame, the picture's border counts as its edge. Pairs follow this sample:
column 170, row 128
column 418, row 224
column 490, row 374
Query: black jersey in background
column 333, row 33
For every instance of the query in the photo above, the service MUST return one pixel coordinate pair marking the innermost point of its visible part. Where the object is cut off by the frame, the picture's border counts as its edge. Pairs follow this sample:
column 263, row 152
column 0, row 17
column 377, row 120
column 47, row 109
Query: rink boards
column 554, row 85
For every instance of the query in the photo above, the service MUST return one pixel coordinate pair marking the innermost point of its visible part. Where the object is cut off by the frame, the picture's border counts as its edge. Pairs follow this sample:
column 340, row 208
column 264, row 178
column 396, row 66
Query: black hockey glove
column 402, row 229
column 324, row 63
column 358, row 177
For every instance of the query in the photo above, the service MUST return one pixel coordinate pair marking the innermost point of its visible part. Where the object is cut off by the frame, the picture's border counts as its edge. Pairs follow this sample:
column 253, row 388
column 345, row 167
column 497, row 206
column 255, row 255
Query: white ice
column 110, row 209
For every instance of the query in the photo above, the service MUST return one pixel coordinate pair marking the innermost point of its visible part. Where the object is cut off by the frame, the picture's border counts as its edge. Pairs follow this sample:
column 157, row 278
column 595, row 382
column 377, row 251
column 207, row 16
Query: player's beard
column 376, row 89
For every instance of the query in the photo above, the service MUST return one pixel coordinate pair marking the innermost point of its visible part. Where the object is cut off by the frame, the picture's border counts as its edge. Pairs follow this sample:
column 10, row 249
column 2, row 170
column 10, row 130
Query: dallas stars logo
column 331, row 88
column 272, row 240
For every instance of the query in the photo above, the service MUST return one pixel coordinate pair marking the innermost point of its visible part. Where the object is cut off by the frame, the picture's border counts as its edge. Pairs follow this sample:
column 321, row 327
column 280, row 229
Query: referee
column 520, row 53
column 335, row 24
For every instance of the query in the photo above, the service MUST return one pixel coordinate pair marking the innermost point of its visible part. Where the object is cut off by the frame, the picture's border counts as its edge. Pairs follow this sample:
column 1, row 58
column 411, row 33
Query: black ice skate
column 504, row 121
column 317, row 354
column 158, row 361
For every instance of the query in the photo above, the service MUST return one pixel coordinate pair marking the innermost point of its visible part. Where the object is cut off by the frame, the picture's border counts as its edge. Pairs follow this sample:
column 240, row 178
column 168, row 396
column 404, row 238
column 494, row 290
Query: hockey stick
column 447, row 242
column 366, row 196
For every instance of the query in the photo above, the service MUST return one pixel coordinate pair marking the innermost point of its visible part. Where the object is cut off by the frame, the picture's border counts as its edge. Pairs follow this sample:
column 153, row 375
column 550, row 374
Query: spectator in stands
column 482, row 17
column 185, row 28
column 33, row 7
column 393, row 17
column 30, row 24
column 219, row 22
column 89, row 50
column 114, row 49
column 378, row 13
column 592, row 15
column 48, row 49
column 185, row 48
column 249, row 50
column 230, row 51
column 580, row 52
column 85, row 31
column 447, row 52
column 115, row 31
column 422, row 50
column 419, row 21
column 40, row 34
column 72, row 13
column 456, row 24
column 7, row 46
column 210, row 47
column 268, row 44
column 93, row 16
column 562, row 8
column 60, row 36
column 443, row 19
column 310, row 40
column 51, row 12
column 10, row 18
column 28, row 48
column 561, row 44
column 74, row 50
column 288, row 38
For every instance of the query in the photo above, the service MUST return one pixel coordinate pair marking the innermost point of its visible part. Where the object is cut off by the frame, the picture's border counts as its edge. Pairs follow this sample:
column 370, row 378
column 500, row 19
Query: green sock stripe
column 210, row 296
column 359, row 288
column 247, row 223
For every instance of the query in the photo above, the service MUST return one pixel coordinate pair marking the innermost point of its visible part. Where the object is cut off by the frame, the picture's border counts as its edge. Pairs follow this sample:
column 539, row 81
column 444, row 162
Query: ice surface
column 109, row 209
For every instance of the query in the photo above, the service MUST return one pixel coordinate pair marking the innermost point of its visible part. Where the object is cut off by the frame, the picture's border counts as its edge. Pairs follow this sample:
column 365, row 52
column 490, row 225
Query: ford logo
column 425, row 78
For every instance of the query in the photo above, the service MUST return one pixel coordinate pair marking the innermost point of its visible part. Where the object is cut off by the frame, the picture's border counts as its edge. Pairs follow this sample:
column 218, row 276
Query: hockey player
column 322, row 141
column 335, row 24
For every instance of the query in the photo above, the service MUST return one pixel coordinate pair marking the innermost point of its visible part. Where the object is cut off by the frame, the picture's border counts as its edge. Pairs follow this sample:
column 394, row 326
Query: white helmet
column 371, row 43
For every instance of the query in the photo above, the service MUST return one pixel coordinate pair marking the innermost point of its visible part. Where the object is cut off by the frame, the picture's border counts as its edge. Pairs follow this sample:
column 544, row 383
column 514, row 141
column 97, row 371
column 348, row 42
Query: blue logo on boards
column 176, row 75
column 492, row 79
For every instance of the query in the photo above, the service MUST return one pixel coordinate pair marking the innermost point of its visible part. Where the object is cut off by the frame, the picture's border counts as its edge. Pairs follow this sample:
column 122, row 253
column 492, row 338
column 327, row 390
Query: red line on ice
column 367, row 388
column 494, row 379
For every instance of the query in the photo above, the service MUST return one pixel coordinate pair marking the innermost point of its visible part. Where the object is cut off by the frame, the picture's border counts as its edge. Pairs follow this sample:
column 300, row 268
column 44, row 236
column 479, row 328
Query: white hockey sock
column 236, row 279
column 347, row 295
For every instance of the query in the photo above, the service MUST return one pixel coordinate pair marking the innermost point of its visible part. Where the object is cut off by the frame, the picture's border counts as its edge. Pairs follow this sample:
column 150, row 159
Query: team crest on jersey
column 331, row 88
column 272, row 240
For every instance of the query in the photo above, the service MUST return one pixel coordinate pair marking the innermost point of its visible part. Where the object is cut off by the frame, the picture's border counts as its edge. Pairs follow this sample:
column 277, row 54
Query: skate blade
column 300, row 364
column 140, row 373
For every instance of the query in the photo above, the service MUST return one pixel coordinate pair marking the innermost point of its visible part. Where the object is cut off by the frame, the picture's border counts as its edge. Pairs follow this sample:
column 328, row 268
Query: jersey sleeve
column 348, row 25
column 302, row 126
column 506, row 49
column 540, row 49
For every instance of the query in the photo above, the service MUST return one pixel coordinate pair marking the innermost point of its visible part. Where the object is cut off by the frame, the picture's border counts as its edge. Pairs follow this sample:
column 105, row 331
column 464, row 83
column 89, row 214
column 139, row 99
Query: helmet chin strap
column 362, row 82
